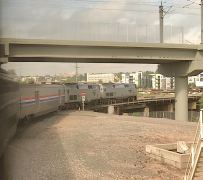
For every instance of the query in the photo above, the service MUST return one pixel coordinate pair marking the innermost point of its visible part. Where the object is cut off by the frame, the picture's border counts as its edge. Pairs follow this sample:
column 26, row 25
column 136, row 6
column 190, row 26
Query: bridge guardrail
column 193, row 116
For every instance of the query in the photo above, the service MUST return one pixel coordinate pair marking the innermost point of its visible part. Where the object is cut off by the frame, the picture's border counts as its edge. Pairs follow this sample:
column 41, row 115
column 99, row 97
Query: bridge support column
column 110, row 110
column 146, row 111
column 181, row 98
column 170, row 107
column 118, row 110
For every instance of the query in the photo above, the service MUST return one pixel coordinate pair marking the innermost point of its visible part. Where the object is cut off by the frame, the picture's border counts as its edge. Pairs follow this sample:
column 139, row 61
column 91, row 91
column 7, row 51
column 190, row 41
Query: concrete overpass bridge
column 177, row 60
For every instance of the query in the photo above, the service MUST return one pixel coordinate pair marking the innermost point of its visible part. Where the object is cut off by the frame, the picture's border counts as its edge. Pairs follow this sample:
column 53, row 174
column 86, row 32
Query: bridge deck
column 95, row 52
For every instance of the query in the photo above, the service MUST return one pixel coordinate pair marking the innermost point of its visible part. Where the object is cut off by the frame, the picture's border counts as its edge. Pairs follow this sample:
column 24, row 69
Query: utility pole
column 76, row 72
column 161, row 22
column 201, row 21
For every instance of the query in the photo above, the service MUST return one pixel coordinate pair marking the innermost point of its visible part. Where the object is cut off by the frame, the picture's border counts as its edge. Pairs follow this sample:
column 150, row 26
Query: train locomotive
column 74, row 91
column 20, row 102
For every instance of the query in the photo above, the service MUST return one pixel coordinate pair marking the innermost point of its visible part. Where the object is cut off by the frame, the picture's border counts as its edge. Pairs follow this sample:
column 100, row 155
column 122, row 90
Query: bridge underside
column 18, row 50
column 177, row 60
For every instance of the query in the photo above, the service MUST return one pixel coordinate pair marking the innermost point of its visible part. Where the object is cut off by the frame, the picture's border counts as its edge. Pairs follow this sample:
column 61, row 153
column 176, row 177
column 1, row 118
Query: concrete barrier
column 167, row 153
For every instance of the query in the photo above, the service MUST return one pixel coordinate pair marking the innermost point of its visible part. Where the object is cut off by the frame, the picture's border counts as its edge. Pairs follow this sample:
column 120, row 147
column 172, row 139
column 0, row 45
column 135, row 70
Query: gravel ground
column 88, row 145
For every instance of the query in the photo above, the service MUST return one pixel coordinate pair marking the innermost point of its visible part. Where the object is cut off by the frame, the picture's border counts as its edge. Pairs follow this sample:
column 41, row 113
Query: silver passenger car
column 37, row 100
column 9, row 108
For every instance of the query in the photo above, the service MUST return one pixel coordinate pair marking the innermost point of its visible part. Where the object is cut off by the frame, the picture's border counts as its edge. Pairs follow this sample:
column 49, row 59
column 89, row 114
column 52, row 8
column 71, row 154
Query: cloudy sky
column 115, row 20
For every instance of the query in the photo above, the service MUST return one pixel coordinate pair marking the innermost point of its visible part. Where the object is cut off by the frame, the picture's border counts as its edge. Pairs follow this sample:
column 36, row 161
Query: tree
column 201, row 102
column 118, row 77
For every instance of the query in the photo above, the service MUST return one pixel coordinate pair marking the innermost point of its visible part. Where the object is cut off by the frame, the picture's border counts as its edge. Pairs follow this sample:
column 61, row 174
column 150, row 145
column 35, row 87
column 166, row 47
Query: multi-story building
column 132, row 78
column 100, row 77
column 192, row 79
column 157, row 81
column 168, row 83
column 199, row 80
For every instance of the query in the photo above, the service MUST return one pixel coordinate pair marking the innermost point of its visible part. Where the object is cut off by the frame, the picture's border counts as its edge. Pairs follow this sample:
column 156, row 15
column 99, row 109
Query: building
column 100, row 77
column 192, row 79
column 132, row 78
column 199, row 80
column 146, row 81
column 161, row 82
column 168, row 83
column 157, row 80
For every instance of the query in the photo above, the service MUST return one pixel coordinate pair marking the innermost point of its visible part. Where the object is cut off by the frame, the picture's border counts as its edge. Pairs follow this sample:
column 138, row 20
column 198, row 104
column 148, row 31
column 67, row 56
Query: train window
column 73, row 97
column 126, row 85
column 90, row 87
column 107, row 94
column 111, row 94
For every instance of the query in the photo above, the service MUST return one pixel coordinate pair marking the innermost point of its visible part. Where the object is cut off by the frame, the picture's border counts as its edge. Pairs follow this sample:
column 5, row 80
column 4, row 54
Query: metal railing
column 105, row 31
column 195, row 150
column 193, row 116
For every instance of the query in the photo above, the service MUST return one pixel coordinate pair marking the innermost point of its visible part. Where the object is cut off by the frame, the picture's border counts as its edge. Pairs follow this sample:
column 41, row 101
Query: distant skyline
column 116, row 20
column 58, row 68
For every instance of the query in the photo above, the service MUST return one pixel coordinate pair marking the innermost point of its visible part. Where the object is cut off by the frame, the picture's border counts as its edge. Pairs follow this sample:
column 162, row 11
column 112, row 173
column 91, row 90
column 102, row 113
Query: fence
column 103, row 31
column 192, row 115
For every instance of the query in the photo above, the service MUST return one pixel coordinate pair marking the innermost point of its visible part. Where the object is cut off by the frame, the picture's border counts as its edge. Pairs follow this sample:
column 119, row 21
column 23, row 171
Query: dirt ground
column 88, row 145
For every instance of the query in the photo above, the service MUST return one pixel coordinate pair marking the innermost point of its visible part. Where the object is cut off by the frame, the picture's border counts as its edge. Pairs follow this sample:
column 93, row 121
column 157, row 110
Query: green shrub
column 201, row 102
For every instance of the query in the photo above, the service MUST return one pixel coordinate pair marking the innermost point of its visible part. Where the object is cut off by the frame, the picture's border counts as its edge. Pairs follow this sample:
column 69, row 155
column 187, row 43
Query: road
column 88, row 145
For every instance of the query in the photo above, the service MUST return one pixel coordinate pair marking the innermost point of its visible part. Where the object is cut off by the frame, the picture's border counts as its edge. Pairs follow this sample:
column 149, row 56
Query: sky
column 97, row 20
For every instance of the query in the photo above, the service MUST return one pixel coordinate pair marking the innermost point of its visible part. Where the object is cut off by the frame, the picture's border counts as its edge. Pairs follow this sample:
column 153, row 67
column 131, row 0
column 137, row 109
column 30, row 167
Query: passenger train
column 19, row 101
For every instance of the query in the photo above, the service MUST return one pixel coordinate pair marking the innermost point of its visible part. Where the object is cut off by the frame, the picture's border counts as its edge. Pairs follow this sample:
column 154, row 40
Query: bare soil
column 88, row 145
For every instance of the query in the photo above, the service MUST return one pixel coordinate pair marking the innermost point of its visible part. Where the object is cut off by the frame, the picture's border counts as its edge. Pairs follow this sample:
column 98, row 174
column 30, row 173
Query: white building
column 199, row 80
column 132, row 78
column 167, row 83
column 157, row 81
column 192, row 79
column 100, row 77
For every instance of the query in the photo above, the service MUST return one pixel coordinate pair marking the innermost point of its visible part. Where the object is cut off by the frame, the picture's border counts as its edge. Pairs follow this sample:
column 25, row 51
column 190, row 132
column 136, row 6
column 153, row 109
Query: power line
column 135, row 10
column 149, row 3
column 172, row 7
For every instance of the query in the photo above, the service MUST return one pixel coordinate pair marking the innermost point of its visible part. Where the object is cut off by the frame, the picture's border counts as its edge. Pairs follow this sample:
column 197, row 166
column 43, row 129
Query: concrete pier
column 181, row 98
column 146, row 111
column 110, row 110
column 170, row 107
